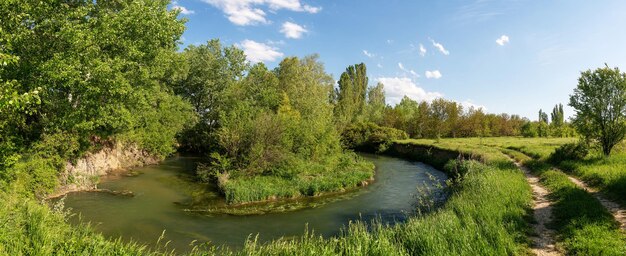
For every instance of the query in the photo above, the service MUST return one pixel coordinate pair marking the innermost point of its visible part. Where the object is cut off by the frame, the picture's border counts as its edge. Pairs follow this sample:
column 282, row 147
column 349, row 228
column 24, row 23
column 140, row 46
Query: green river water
column 163, row 192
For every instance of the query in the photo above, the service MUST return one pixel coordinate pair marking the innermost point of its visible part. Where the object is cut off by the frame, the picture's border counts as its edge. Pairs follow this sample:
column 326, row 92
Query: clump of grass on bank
column 583, row 225
column 309, row 180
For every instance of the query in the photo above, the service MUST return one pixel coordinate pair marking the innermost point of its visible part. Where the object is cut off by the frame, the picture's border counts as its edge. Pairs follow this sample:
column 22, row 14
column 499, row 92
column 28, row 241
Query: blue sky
column 510, row 56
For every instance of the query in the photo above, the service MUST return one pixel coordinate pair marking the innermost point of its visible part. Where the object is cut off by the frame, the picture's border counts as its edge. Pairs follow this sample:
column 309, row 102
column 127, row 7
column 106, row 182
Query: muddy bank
column 84, row 174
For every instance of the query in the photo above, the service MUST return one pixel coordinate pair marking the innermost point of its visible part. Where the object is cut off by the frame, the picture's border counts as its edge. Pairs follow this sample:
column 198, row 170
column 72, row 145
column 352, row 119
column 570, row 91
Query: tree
column 558, row 118
column 351, row 95
column 543, row 117
column 376, row 103
column 211, row 70
column 599, row 102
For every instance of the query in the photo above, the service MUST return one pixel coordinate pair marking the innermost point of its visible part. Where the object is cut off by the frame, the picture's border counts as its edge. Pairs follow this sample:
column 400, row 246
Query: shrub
column 371, row 137
column 569, row 151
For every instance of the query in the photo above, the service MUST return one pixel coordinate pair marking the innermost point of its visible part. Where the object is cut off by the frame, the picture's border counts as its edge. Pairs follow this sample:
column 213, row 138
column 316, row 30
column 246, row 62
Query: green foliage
column 444, row 118
column 371, row 137
column 351, row 95
column 558, row 116
column 570, row 151
column 600, row 104
column 376, row 104
column 76, row 76
column 274, row 135
column 209, row 71
column 543, row 117
column 529, row 130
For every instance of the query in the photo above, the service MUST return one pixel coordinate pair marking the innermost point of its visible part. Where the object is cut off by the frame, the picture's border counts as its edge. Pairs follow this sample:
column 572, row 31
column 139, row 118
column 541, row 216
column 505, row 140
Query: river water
column 162, row 193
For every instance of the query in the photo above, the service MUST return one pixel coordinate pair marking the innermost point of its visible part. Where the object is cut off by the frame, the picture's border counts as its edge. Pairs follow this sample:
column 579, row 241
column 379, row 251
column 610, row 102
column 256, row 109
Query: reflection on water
column 162, row 191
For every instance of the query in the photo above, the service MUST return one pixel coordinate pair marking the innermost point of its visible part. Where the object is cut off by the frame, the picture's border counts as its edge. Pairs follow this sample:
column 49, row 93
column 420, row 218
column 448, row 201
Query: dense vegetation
column 77, row 76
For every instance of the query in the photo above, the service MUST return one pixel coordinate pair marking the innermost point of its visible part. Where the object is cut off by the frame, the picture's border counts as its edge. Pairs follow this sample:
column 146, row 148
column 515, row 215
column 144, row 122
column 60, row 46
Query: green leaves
column 600, row 104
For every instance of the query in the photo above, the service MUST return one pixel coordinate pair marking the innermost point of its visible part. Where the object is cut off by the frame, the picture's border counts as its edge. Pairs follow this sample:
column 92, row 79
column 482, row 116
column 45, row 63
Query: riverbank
column 84, row 173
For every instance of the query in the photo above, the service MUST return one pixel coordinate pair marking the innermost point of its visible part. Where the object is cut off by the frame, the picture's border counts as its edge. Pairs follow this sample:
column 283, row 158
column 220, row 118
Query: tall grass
column 310, row 180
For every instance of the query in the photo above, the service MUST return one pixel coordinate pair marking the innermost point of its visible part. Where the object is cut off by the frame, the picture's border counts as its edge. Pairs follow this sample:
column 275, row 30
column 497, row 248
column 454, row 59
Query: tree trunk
column 606, row 149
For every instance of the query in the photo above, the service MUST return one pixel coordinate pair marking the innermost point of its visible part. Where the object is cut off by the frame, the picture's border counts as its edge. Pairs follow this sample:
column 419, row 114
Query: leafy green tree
column 543, row 117
column 376, row 103
column 557, row 116
column 211, row 70
column 599, row 102
column 351, row 95
column 529, row 129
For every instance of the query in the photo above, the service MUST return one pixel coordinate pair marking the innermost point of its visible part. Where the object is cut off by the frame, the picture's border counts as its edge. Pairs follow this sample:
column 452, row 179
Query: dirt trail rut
column 618, row 212
column 543, row 240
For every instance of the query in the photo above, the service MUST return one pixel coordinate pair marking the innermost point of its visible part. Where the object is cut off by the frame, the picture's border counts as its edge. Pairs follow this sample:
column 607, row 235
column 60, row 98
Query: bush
column 569, row 151
column 371, row 137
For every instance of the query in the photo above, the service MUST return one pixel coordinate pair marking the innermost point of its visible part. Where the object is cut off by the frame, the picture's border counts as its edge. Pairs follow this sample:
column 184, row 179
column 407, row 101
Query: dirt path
column 618, row 212
column 543, row 239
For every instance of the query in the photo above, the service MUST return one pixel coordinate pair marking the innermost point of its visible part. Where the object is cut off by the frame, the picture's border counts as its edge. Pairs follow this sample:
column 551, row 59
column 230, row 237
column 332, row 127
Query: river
column 163, row 192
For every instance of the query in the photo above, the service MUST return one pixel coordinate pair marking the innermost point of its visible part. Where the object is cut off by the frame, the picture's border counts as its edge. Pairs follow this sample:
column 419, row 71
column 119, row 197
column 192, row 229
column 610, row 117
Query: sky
column 513, row 56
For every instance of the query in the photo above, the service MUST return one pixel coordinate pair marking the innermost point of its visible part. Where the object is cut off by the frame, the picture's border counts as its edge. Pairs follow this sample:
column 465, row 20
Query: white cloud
column 397, row 87
column 293, row 30
column 259, row 52
column 433, row 74
column 502, row 40
column 422, row 50
column 401, row 66
column 414, row 73
column 379, row 65
column 249, row 12
column 182, row 9
column 368, row 54
column 440, row 47
column 389, row 41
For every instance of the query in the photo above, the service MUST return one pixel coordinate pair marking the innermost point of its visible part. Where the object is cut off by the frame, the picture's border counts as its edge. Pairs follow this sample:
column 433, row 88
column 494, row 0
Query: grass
column 311, row 180
column 608, row 174
column 583, row 225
